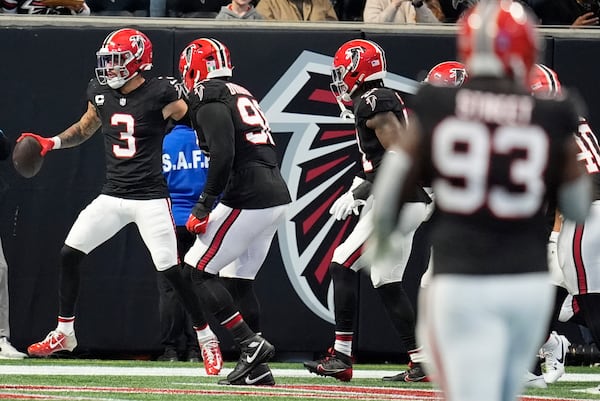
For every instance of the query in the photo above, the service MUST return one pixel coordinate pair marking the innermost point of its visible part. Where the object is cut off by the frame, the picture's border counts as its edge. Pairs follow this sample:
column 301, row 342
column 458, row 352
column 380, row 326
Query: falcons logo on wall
column 319, row 164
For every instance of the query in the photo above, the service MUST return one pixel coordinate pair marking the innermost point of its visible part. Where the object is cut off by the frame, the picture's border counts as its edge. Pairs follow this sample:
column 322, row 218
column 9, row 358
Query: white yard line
column 91, row 370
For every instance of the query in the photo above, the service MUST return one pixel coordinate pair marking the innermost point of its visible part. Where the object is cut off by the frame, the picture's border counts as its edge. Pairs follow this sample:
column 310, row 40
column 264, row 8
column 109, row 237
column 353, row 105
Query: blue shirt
column 185, row 168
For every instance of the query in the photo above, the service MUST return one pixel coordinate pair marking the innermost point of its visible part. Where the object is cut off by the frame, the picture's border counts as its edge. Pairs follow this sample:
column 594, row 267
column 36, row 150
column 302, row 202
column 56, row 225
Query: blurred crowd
column 574, row 13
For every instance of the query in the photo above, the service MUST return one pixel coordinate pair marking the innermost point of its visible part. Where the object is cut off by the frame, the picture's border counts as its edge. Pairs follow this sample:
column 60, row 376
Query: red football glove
column 46, row 143
column 196, row 225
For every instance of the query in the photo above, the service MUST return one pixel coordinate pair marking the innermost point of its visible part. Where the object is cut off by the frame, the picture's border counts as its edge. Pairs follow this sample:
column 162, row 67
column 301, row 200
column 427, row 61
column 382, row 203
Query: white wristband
column 57, row 142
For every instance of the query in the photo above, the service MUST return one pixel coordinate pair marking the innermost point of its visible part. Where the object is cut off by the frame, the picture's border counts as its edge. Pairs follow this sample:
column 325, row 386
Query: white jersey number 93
column 462, row 152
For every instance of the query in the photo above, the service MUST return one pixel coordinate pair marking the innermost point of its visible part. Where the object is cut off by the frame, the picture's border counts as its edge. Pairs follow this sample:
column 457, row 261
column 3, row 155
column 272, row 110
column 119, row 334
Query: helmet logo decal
column 353, row 54
column 459, row 76
column 137, row 44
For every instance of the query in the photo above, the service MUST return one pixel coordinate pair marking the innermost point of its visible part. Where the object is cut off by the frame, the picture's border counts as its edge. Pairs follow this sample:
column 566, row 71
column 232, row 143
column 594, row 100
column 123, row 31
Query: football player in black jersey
column 358, row 71
column 132, row 112
column 244, row 200
column 494, row 155
column 574, row 251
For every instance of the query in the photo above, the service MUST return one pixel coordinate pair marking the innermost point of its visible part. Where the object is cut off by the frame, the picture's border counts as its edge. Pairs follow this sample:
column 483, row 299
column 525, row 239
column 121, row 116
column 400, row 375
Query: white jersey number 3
column 462, row 152
column 127, row 135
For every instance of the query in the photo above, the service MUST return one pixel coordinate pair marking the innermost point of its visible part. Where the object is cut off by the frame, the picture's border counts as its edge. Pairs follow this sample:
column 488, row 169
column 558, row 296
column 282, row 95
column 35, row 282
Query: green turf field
column 68, row 379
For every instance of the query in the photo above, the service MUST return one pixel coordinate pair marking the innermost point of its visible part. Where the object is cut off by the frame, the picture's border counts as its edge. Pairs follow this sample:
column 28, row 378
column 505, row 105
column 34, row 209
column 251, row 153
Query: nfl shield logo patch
column 123, row 101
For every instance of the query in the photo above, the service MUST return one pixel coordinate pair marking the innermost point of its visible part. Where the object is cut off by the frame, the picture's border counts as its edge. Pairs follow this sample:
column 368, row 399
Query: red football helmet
column 498, row 38
column 543, row 81
column 122, row 55
column 354, row 63
column 202, row 59
column 447, row 73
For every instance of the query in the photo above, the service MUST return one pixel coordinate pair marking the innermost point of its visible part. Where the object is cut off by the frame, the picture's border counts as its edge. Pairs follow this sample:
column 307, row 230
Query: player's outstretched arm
column 76, row 134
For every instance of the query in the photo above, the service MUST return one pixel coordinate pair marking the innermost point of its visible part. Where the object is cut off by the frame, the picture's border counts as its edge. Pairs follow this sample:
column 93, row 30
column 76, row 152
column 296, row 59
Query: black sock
column 181, row 282
column 344, row 296
column 400, row 312
column 68, row 280
column 244, row 296
column 210, row 289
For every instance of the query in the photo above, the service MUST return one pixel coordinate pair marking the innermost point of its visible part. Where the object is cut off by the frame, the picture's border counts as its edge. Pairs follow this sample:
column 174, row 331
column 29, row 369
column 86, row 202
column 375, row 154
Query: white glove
column 556, row 274
column 346, row 205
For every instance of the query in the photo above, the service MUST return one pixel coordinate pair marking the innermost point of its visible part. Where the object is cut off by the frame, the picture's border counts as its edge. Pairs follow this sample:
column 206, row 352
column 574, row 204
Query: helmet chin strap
column 345, row 113
column 122, row 83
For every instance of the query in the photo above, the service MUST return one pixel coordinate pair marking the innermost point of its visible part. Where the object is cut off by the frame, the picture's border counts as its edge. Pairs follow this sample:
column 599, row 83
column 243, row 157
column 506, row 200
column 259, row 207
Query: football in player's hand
column 26, row 157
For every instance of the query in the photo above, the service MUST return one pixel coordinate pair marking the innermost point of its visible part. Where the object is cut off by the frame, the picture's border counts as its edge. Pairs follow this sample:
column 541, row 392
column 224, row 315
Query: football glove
column 345, row 205
column 198, row 219
column 197, row 225
column 47, row 144
column 556, row 274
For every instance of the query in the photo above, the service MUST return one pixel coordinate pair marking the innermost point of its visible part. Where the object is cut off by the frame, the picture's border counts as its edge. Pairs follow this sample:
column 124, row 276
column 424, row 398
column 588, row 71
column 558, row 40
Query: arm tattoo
column 82, row 130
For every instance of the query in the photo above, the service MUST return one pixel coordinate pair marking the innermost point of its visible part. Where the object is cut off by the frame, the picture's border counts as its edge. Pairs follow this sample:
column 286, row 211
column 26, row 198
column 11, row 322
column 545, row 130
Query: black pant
column 175, row 324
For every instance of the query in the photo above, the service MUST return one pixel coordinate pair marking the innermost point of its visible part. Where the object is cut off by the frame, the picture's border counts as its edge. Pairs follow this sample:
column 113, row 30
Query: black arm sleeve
column 4, row 146
column 362, row 191
column 215, row 122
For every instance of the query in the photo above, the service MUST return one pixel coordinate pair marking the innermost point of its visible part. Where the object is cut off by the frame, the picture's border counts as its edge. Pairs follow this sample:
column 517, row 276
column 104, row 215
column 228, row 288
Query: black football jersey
column 254, row 180
column 589, row 153
column 133, row 128
column 375, row 101
column 494, row 155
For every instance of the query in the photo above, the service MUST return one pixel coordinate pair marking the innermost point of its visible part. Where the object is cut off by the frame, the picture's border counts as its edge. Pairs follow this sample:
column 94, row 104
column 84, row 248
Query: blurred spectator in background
column 463, row 5
column 402, row 11
column 184, row 168
column 297, row 10
column 123, row 8
column 576, row 13
column 349, row 10
column 7, row 351
column 239, row 9
column 53, row 7
column 450, row 13
column 186, row 8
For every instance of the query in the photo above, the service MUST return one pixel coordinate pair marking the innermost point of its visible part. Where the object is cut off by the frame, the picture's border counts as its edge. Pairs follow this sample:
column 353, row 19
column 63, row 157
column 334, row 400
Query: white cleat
column 7, row 351
column 534, row 381
column 554, row 351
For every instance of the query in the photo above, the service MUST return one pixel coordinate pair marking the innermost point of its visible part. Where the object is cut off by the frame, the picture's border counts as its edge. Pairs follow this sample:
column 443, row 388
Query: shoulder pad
column 378, row 100
column 211, row 90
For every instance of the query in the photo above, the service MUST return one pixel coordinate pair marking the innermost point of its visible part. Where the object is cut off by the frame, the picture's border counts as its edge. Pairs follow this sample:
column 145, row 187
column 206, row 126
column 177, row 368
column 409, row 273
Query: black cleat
column 170, row 355
column 415, row 373
column 333, row 364
column 261, row 375
column 254, row 352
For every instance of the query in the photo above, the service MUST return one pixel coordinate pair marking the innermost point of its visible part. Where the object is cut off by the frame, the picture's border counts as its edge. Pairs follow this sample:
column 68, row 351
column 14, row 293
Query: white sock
column 66, row 325
column 416, row 355
column 204, row 334
column 343, row 342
